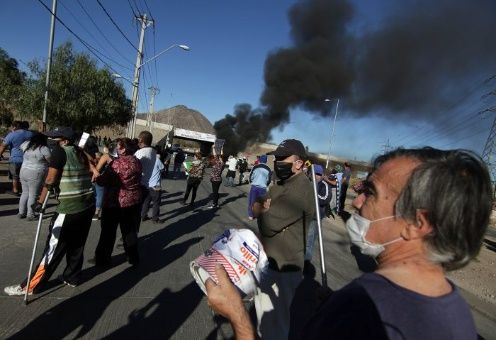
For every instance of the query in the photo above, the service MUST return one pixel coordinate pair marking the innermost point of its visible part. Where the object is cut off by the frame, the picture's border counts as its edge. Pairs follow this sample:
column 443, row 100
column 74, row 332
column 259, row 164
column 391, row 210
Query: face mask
column 357, row 227
column 283, row 170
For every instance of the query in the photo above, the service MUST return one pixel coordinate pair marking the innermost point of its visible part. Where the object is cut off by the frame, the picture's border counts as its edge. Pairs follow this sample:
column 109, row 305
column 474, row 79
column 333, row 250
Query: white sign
column 207, row 137
column 83, row 139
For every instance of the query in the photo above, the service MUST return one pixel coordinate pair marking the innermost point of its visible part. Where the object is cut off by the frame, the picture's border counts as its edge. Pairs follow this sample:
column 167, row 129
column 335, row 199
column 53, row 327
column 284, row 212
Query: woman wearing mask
column 121, row 204
column 33, row 171
column 194, row 178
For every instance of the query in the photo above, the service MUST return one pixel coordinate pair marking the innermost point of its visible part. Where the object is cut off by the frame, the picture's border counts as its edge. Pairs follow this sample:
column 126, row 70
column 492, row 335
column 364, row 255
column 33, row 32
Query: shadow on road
column 160, row 318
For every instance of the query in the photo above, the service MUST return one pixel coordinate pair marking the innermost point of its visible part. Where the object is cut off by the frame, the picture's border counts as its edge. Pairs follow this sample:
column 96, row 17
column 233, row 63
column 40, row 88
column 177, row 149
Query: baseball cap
column 319, row 170
column 290, row 147
column 64, row 132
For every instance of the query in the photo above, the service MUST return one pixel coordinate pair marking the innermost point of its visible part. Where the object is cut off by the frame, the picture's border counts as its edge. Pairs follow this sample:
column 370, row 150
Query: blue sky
column 229, row 43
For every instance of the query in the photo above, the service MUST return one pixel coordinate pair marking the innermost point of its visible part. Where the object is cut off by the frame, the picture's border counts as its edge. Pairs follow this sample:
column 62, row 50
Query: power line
column 138, row 7
column 155, row 53
column 87, row 45
column 453, row 129
column 92, row 36
column 132, row 9
column 148, row 9
column 115, row 24
column 466, row 137
column 103, row 34
column 410, row 138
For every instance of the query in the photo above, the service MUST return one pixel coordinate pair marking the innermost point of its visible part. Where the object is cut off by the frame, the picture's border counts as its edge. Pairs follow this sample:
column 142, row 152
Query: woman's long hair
column 37, row 141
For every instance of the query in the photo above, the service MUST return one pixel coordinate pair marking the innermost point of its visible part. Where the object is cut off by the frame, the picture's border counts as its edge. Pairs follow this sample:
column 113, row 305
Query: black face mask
column 283, row 170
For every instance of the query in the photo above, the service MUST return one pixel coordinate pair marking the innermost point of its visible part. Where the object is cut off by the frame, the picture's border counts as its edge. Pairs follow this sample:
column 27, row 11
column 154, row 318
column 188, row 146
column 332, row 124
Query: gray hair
column 454, row 188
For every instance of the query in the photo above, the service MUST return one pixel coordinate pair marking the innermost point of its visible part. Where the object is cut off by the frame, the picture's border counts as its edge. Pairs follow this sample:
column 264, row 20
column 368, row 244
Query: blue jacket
column 260, row 175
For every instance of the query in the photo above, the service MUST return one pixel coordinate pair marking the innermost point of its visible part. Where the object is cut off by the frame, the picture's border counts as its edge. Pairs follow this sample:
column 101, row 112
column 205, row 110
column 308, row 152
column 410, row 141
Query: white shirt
column 147, row 157
column 231, row 163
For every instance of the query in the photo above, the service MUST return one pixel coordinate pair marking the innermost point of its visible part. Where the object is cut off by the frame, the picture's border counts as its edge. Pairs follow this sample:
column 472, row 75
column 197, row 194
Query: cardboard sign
column 219, row 143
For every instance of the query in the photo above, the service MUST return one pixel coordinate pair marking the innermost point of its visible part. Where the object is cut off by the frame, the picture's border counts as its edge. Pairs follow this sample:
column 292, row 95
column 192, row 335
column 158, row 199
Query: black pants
column 128, row 220
column 192, row 184
column 153, row 197
column 215, row 192
column 342, row 196
column 66, row 237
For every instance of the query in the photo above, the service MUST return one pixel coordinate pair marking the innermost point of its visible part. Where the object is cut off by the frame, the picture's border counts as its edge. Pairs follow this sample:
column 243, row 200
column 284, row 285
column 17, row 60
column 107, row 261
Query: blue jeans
column 98, row 195
column 255, row 192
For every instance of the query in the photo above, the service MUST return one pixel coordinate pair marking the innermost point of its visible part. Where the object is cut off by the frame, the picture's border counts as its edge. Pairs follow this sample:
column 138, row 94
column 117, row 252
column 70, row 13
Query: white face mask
column 357, row 227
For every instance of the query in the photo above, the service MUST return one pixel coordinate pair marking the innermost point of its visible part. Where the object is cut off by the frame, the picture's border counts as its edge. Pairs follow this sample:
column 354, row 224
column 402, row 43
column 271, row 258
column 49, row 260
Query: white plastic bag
column 241, row 254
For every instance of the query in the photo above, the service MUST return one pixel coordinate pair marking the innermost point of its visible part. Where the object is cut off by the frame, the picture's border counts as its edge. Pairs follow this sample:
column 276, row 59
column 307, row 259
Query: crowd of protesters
column 115, row 182
column 404, row 196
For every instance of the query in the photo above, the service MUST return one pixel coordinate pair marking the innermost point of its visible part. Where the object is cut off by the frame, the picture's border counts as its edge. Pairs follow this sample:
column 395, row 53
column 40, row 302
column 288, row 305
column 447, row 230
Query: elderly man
column 418, row 218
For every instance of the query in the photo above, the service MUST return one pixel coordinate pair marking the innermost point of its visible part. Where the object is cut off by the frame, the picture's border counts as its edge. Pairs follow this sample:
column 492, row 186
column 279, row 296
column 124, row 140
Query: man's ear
column 418, row 228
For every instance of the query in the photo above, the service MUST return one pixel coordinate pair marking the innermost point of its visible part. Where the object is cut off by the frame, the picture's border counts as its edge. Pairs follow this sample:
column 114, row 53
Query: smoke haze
column 419, row 61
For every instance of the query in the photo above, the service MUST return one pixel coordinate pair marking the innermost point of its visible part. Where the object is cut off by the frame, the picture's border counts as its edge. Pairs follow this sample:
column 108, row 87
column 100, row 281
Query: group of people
column 28, row 164
column 129, row 174
column 415, row 215
column 233, row 164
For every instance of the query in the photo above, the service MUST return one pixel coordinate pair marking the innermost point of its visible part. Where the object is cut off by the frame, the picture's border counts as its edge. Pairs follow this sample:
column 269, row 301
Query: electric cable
column 87, row 45
column 115, row 24
column 103, row 34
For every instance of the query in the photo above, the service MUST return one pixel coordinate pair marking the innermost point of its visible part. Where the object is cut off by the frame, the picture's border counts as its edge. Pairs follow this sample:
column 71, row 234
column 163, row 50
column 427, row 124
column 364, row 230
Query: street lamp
column 135, row 83
column 332, row 133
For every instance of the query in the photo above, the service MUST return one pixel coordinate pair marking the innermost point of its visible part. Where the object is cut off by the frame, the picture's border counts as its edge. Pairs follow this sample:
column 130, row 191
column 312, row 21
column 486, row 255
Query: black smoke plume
column 416, row 63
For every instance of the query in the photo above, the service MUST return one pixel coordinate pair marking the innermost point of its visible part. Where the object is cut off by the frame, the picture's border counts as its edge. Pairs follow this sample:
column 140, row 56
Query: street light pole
column 332, row 133
column 137, row 68
column 49, row 64
column 153, row 92
column 135, row 82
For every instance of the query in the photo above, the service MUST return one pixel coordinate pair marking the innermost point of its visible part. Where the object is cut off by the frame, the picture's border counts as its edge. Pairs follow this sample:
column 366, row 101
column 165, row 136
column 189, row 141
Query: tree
column 80, row 94
column 11, row 82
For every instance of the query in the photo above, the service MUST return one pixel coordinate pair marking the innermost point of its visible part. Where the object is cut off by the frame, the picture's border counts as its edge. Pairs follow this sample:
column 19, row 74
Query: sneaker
column 213, row 206
column 21, row 216
column 31, row 218
column 95, row 217
column 157, row 221
column 15, row 290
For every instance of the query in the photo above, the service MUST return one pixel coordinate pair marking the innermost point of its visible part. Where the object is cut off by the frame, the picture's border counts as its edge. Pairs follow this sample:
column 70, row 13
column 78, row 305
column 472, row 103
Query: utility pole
column 153, row 92
column 137, row 68
column 386, row 147
column 49, row 63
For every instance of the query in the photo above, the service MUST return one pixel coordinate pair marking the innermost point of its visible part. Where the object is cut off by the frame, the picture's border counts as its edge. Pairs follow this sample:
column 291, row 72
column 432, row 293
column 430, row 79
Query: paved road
column 159, row 299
